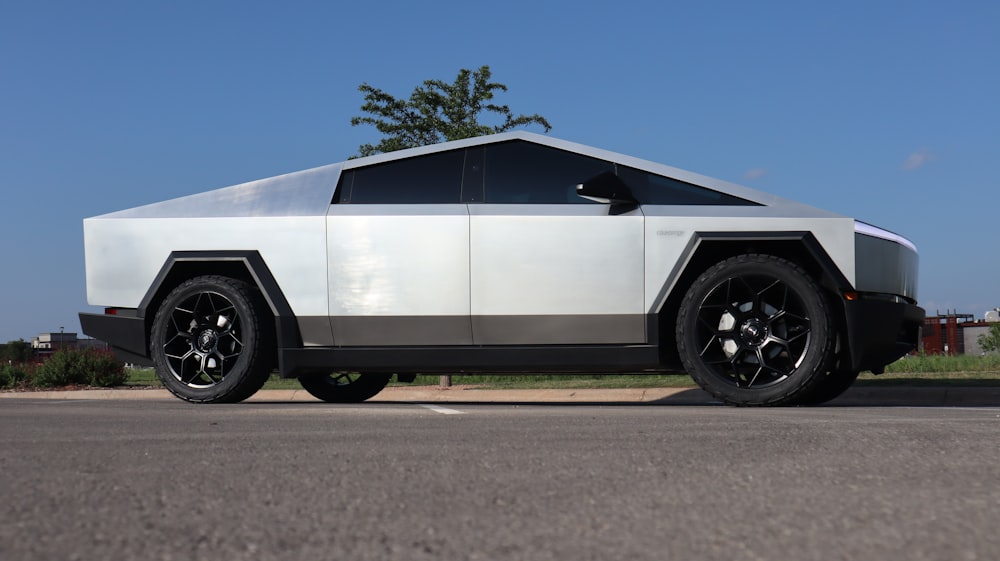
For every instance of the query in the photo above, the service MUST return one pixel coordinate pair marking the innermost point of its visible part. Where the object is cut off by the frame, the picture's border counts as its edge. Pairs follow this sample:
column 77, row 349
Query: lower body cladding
column 877, row 333
column 465, row 331
column 487, row 359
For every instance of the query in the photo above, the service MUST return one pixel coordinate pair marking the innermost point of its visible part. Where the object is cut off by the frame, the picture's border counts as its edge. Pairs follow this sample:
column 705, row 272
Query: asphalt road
column 162, row 480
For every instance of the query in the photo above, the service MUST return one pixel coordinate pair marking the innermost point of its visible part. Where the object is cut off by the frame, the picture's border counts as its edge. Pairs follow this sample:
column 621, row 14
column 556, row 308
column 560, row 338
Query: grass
column 908, row 371
column 938, row 370
column 945, row 364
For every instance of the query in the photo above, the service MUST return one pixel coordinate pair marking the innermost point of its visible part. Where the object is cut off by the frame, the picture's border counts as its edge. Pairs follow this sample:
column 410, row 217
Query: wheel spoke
column 784, row 353
column 752, row 293
column 784, row 293
column 713, row 329
column 707, row 346
column 344, row 379
column 720, row 362
column 755, row 375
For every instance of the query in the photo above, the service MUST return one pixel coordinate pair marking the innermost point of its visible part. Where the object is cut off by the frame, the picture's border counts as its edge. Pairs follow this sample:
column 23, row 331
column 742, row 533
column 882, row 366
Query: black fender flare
column 705, row 249
column 247, row 265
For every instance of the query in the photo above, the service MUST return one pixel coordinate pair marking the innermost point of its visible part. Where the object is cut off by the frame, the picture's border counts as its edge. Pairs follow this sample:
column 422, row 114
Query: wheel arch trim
column 705, row 249
column 699, row 241
column 286, row 328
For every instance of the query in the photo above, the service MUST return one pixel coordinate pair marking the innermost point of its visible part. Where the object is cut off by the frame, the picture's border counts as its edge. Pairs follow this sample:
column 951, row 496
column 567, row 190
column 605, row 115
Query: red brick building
column 943, row 334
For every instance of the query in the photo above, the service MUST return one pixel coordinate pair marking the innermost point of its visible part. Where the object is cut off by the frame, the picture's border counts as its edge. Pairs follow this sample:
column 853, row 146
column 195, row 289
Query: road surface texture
column 163, row 480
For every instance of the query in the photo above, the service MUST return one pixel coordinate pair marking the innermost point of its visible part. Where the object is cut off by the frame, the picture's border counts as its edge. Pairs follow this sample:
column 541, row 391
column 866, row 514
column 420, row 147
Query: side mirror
column 606, row 188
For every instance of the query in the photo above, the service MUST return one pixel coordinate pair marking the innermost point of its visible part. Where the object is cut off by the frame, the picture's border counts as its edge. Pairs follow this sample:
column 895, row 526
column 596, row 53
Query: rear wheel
column 344, row 387
column 755, row 330
column 830, row 387
column 212, row 341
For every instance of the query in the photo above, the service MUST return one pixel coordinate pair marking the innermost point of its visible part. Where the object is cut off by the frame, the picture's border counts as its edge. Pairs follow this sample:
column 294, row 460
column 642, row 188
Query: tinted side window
column 652, row 189
column 342, row 193
column 521, row 172
column 436, row 178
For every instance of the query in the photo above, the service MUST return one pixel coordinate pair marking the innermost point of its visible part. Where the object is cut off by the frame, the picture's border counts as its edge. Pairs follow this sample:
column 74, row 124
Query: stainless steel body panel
column 561, row 262
column 669, row 231
column 124, row 255
column 399, row 261
column 302, row 193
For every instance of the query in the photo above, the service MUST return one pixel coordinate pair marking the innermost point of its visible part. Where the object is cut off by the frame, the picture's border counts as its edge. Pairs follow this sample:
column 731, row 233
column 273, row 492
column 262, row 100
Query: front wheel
column 755, row 330
column 212, row 341
column 344, row 387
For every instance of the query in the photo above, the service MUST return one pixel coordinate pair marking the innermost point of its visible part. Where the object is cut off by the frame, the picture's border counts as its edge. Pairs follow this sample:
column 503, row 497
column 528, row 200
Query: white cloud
column 917, row 159
column 755, row 173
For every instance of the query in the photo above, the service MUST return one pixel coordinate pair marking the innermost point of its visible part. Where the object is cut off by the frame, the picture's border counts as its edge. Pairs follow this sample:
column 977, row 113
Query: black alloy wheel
column 211, row 341
column 755, row 330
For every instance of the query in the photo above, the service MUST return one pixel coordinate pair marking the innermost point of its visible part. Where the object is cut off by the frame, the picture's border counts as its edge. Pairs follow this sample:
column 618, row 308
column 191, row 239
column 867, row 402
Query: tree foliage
column 16, row 352
column 990, row 341
column 438, row 111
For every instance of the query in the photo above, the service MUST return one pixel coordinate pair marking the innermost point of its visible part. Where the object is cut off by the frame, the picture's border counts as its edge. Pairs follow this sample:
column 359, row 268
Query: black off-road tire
column 832, row 386
column 344, row 387
column 756, row 330
column 212, row 340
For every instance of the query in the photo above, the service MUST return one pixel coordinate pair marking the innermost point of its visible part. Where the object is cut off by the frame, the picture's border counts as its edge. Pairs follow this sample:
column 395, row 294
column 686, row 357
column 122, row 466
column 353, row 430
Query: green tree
column 16, row 352
column 438, row 111
column 990, row 341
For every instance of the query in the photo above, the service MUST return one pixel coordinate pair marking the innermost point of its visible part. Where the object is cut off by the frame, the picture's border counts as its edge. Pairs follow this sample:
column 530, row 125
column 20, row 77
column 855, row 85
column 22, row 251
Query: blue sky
column 885, row 111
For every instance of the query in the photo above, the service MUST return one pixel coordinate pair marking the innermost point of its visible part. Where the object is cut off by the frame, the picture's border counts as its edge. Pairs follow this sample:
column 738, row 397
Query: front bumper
column 126, row 335
column 879, row 332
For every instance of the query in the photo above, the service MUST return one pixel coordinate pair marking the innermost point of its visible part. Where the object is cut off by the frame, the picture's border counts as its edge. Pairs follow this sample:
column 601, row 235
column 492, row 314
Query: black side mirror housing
column 607, row 188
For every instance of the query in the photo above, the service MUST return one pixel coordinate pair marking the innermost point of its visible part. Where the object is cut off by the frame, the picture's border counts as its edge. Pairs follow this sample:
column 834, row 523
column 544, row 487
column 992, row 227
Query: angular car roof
column 309, row 192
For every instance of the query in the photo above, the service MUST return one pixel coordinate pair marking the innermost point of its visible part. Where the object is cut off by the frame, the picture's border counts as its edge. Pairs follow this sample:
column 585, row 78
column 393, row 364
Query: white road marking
column 441, row 410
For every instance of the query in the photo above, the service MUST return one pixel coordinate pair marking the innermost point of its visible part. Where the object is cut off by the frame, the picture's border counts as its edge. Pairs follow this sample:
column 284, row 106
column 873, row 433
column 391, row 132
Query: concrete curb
column 856, row 396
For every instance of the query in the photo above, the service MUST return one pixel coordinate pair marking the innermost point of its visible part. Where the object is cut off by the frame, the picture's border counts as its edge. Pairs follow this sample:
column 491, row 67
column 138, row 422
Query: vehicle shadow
column 858, row 396
column 918, row 396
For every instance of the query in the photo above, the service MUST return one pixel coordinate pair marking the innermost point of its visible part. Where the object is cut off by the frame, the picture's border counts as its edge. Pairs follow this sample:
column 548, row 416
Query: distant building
column 971, row 333
column 955, row 334
column 44, row 344
column 51, row 342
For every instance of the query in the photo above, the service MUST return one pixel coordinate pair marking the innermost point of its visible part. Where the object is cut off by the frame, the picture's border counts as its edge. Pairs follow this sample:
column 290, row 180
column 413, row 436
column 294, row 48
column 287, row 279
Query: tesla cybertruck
column 510, row 253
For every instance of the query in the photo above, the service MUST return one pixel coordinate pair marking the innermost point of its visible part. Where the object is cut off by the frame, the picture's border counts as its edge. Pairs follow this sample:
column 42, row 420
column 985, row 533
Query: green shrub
column 67, row 367
column 63, row 368
column 105, row 370
column 14, row 374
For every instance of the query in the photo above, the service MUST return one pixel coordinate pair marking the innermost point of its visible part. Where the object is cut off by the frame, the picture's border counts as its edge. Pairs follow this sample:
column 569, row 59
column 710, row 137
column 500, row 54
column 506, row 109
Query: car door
column 547, row 266
column 398, row 254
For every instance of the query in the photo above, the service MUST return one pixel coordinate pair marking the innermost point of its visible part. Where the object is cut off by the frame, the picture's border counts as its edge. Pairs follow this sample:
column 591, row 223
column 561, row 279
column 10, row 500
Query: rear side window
column 521, row 172
column 431, row 179
column 652, row 189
